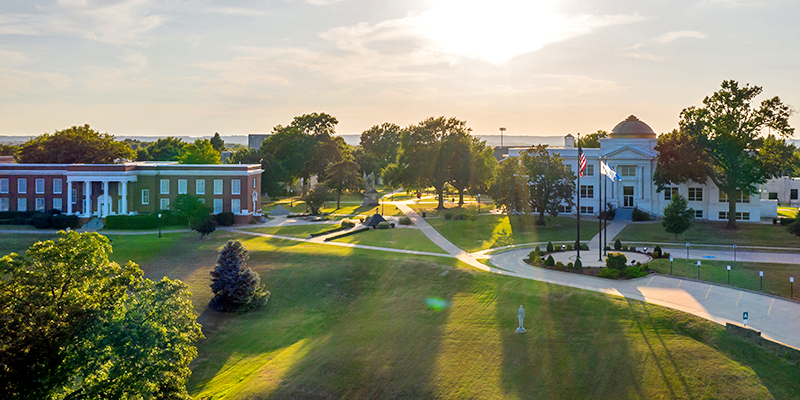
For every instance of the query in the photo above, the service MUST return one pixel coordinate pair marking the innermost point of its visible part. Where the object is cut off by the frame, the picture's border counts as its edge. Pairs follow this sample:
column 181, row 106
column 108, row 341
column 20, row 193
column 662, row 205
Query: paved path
column 698, row 253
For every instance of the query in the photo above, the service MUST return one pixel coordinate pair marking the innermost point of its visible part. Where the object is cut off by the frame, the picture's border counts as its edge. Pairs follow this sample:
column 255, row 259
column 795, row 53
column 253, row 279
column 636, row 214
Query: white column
column 124, row 209
column 87, row 198
column 104, row 210
column 69, row 197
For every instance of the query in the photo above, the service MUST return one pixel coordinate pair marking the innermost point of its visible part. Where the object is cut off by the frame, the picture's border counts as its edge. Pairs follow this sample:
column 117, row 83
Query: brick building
column 90, row 190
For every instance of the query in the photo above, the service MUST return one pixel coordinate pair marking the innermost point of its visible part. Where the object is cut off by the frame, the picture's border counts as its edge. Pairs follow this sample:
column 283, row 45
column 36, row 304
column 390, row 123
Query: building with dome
column 629, row 150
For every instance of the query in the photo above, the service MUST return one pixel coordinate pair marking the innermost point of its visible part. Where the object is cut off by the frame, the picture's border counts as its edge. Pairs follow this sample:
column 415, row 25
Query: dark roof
column 374, row 220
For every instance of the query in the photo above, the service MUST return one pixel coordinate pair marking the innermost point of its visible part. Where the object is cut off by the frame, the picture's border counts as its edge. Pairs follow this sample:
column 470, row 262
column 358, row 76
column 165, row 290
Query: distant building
column 629, row 150
column 99, row 190
column 254, row 140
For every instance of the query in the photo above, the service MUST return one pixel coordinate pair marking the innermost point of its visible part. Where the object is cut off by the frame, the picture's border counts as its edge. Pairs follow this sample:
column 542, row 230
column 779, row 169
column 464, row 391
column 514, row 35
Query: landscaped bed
column 709, row 232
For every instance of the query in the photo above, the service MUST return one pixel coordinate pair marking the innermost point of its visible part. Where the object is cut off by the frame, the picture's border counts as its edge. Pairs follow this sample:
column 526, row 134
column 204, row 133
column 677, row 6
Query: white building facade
column 629, row 150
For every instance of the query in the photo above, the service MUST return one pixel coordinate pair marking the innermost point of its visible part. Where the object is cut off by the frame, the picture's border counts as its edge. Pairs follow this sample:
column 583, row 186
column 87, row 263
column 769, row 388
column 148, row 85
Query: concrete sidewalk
column 698, row 253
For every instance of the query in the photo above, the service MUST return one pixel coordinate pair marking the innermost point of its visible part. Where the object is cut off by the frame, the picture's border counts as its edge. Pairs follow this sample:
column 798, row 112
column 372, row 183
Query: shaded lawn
column 490, row 231
column 743, row 274
column 712, row 232
column 299, row 231
column 398, row 238
column 357, row 209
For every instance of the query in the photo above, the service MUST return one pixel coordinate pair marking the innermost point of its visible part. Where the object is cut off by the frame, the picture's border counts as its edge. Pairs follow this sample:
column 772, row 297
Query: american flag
column 582, row 160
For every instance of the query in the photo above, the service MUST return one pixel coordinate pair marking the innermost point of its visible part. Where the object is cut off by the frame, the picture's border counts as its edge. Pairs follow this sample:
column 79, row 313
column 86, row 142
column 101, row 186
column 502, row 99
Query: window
column 202, row 200
column 39, row 203
column 569, row 167
column 793, row 194
column 254, row 183
column 183, row 186
column 670, row 192
column 217, row 206
column 164, row 204
column 236, row 186
column 741, row 198
column 695, row 194
column 145, row 196
column 22, row 205
column 200, row 186
column 698, row 214
column 74, row 196
column 57, row 186
column 589, row 171
column 22, row 185
column 587, row 210
column 165, row 186
column 587, row 192
column 236, row 206
column 773, row 195
column 740, row 216
column 627, row 170
column 4, row 204
column 39, row 185
column 564, row 209
column 3, row 185
column 217, row 186
column 57, row 204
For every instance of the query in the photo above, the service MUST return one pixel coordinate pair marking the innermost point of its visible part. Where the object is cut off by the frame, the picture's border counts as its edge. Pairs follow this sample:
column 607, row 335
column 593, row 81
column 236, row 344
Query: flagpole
column 578, row 241
column 605, row 220
column 600, row 209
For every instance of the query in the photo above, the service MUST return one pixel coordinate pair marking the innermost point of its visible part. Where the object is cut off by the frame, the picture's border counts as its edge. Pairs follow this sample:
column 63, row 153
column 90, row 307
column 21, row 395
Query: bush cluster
column 225, row 219
column 617, row 245
column 617, row 266
column 383, row 225
column 448, row 216
column 639, row 215
column 346, row 223
column 550, row 262
column 405, row 220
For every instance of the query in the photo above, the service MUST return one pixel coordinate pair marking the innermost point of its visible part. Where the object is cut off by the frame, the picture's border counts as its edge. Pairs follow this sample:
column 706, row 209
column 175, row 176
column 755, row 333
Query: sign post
column 744, row 318
column 687, row 251
column 791, row 287
column 734, row 252
column 761, row 275
column 698, row 270
column 670, row 265
column 729, row 274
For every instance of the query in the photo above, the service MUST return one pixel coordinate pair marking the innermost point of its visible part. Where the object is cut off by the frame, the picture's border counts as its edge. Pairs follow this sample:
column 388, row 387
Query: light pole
column 729, row 274
column 159, row 225
column 670, row 265
column 479, row 204
column 687, row 251
column 761, row 276
column 698, row 270
column 791, row 287
column 734, row 252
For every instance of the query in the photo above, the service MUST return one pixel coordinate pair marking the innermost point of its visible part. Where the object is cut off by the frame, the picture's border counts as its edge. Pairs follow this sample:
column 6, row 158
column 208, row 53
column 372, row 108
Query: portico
column 104, row 202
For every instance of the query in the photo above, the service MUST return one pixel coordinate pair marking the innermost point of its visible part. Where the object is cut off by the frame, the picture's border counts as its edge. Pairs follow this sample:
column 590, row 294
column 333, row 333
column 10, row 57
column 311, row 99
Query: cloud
column 14, row 81
column 637, row 50
column 323, row 2
column 12, row 58
column 115, row 22
column 675, row 35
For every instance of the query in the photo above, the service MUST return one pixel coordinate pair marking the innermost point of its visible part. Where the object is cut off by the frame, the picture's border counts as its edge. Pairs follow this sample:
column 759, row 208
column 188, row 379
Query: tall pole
column 578, row 256
column 502, row 129
column 605, row 219
column 600, row 209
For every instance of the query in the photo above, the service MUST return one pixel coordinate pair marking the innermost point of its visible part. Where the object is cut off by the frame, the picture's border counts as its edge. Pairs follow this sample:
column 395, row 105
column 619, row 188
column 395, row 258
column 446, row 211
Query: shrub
column 41, row 221
column 405, row 220
column 616, row 261
column 560, row 265
column 64, row 221
column 383, row 225
column 550, row 261
column 533, row 255
column 607, row 248
column 639, row 215
column 665, row 255
column 570, row 265
column 584, row 246
column 578, row 264
column 235, row 287
column 632, row 248
column 346, row 223
column 448, row 216
column 204, row 226
column 538, row 251
column 794, row 226
column 633, row 271
column 225, row 219
column 617, row 245
column 569, row 247
column 550, row 247
column 657, row 252
column 609, row 273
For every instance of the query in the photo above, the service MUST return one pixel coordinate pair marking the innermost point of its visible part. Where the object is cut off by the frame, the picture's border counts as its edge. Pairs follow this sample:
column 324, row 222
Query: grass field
column 398, row 238
column 788, row 212
column 352, row 323
column 743, row 274
column 299, row 231
column 707, row 232
column 490, row 231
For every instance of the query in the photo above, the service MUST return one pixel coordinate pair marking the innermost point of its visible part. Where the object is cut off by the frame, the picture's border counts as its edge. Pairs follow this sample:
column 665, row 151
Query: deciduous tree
column 343, row 176
column 316, row 197
column 78, row 144
column 199, row 152
column 592, row 140
column 510, row 188
column 550, row 182
column 163, row 149
column 381, row 142
column 723, row 142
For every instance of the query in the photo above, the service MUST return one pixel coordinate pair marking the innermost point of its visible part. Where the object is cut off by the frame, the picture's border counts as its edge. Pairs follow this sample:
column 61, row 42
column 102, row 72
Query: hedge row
column 353, row 232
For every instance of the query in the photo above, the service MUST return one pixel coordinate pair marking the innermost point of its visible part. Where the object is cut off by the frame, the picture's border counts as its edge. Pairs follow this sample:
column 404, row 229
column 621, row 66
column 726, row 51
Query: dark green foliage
column 316, row 197
column 346, row 223
column 163, row 149
column 509, row 189
column 448, row 216
column 584, row 246
column 550, row 248
column 677, row 215
column 550, row 261
column 633, row 271
column 217, row 143
column 632, row 248
column 380, row 144
column 236, row 287
column 570, row 265
column 225, row 218
column 383, row 225
column 794, row 227
column 405, row 220
column 64, row 221
column 609, row 273
column 592, row 140
column 343, row 176
column 570, row 247
column 41, row 221
column 578, row 264
column 76, row 325
column 657, row 252
column 616, row 261
column 204, row 226
column 560, row 265
column 665, row 255
column 533, row 255
column 550, row 183
column 639, row 215
column 78, row 144
column 617, row 245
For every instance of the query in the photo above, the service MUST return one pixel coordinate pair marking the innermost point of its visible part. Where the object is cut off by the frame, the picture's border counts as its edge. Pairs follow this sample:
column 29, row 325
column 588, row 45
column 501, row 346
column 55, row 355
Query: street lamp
column 159, row 225
column 687, row 251
column 479, row 204
column 698, row 270
column 670, row 265
column 734, row 252
column 761, row 276
column 729, row 274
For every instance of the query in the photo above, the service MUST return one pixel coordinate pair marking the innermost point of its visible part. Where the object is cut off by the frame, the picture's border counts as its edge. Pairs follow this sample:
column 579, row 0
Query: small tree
column 316, row 197
column 617, row 245
column 236, row 287
column 343, row 176
column 217, row 143
column 616, row 261
column 677, row 215
column 199, row 152
column 205, row 226
column 794, row 227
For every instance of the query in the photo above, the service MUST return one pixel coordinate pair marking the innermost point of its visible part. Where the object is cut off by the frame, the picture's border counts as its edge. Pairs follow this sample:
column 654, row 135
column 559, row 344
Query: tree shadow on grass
column 574, row 348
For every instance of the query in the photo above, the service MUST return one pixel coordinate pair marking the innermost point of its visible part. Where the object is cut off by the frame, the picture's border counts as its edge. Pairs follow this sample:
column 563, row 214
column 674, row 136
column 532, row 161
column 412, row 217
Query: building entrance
column 627, row 196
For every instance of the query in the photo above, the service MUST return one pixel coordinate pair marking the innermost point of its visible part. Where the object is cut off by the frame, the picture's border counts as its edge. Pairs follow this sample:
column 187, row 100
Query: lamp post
column 791, row 287
column 479, row 204
column 729, row 274
column 761, row 276
column 687, row 251
column 159, row 225
column 734, row 252
column 698, row 270
column 670, row 265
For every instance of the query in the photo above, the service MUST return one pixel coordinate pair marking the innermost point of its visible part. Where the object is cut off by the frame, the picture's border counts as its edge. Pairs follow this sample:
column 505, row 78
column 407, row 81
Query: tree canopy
column 78, row 144
column 199, row 152
column 381, row 143
column 77, row 325
column 236, row 288
column 550, row 182
column 677, row 215
column 723, row 141
column 163, row 149
column 217, row 142
column 592, row 140
column 343, row 176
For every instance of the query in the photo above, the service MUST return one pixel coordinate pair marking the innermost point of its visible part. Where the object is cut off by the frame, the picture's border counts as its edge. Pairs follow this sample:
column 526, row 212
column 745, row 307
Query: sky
column 535, row 67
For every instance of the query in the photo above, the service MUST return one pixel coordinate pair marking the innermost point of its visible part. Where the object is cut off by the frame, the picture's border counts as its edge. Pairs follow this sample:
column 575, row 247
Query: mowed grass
column 787, row 212
column 352, row 323
column 298, row 231
column 398, row 238
column 709, row 232
column 493, row 230
column 357, row 209
column 743, row 274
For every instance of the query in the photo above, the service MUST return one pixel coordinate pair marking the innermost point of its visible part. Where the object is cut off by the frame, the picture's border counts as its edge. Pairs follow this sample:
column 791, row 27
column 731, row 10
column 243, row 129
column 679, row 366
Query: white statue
column 520, row 316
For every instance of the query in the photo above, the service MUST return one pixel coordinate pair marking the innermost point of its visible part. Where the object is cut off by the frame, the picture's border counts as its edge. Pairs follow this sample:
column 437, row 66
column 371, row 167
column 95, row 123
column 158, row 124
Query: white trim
column 200, row 173
column 32, row 172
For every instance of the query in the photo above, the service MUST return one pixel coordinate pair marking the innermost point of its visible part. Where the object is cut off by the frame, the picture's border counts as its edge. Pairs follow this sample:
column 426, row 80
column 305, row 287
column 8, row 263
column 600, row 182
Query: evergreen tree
column 236, row 287
column 677, row 215
column 217, row 142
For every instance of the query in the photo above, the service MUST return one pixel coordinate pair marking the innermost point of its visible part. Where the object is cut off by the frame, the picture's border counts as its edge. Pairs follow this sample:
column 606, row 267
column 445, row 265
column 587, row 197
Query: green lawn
column 398, row 238
column 357, row 209
column 743, row 274
column 490, row 231
column 707, row 232
column 299, row 231
column 353, row 323
column 788, row 212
